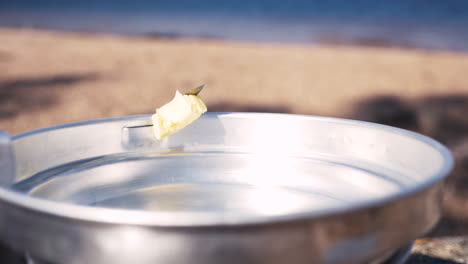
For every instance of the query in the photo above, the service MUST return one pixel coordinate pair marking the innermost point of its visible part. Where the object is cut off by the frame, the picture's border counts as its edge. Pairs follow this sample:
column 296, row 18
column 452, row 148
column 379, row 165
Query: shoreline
column 334, row 39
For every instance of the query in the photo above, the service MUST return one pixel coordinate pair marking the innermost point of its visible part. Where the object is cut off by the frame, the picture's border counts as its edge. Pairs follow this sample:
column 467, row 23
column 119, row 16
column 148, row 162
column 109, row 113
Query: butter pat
column 177, row 114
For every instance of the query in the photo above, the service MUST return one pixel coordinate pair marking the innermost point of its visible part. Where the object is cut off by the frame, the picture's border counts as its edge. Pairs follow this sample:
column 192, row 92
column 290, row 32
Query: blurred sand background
column 48, row 78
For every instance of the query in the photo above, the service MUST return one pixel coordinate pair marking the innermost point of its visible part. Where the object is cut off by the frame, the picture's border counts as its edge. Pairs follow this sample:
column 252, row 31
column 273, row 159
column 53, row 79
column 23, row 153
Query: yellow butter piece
column 177, row 114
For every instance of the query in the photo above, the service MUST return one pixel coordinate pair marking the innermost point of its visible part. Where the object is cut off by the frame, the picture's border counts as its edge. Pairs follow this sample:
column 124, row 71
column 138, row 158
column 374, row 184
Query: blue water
column 433, row 24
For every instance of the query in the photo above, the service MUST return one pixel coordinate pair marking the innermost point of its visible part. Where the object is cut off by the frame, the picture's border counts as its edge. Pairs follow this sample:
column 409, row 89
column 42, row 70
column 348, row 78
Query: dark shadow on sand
column 27, row 94
column 170, row 35
column 236, row 107
column 388, row 110
column 362, row 41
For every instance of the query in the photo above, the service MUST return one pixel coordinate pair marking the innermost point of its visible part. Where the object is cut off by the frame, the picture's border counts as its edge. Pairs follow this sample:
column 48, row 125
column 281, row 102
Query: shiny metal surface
column 229, row 188
column 401, row 256
column 10, row 257
column 7, row 160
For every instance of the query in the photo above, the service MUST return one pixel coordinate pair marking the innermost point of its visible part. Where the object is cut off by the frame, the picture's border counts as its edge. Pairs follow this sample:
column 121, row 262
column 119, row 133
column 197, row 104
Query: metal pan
column 229, row 188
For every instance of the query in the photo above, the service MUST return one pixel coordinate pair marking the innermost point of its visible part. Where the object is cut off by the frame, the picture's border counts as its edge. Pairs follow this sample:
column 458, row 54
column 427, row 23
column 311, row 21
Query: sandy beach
column 49, row 77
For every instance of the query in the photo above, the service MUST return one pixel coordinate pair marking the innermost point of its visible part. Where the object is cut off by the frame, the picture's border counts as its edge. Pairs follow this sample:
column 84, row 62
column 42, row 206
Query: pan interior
column 241, row 184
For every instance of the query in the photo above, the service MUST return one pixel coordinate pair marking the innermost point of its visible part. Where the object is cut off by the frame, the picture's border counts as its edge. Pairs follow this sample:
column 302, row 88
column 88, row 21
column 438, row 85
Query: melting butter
column 177, row 114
